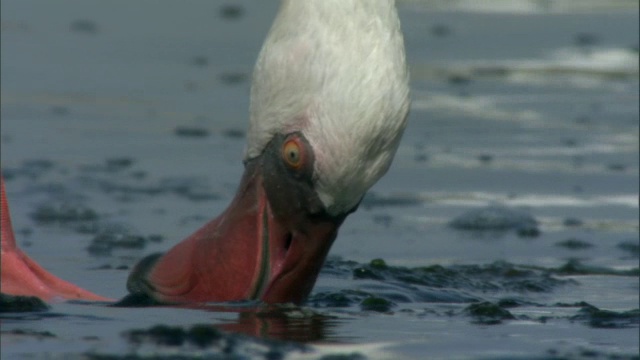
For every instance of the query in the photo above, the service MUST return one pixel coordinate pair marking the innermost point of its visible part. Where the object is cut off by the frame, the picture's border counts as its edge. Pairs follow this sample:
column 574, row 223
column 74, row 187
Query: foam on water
column 526, row 6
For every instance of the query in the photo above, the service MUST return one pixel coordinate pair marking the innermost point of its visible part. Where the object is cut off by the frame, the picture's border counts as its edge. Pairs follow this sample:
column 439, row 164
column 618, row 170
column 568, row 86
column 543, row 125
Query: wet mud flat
column 507, row 226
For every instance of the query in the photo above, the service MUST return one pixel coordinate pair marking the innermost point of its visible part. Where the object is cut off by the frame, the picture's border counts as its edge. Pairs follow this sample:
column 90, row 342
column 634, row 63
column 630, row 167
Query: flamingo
column 329, row 103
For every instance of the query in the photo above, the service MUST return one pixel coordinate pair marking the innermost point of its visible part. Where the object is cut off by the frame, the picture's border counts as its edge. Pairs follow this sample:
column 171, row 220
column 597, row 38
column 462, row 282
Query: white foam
column 478, row 198
column 479, row 106
column 527, row 6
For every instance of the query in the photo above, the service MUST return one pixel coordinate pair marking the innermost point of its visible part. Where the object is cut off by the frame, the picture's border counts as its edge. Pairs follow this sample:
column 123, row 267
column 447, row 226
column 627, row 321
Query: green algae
column 384, row 287
column 607, row 319
column 497, row 276
column 631, row 247
column 488, row 313
column 206, row 339
column 497, row 218
column 377, row 304
column 351, row 356
column 33, row 333
column 576, row 267
column 63, row 214
column 574, row 244
column 19, row 304
column 340, row 299
column 378, row 264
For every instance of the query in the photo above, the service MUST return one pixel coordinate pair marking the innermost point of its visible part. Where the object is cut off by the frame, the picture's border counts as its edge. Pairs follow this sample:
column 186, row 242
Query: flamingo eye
column 292, row 153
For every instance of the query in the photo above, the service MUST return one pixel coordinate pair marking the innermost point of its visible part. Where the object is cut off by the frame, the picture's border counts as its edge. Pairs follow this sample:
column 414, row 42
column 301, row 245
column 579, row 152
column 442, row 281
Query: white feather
column 334, row 70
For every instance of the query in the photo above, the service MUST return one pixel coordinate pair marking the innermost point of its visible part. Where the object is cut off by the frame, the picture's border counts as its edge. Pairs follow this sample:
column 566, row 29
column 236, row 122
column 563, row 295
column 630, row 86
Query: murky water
column 122, row 132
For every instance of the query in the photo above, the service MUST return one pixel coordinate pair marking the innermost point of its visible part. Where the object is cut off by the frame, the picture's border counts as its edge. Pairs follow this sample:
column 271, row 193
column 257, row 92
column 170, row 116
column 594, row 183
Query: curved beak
column 251, row 251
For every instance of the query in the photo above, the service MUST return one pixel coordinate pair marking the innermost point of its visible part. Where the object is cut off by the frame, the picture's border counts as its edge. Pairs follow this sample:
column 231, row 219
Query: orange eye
column 292, row 154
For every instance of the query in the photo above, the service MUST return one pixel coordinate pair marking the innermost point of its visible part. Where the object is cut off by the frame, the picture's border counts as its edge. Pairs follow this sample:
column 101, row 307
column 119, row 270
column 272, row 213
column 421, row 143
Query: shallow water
column 122, row 132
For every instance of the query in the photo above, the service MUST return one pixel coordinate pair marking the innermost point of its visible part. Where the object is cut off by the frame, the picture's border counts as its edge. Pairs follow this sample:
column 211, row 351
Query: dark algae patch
column 203, row 335
column 232, row 78
column 160, row 335
column 351, row 356
column 498, row 276
column 580, row 354
column 19, row 304
column 191, row 132
column 341, row 299
column 234, row 133
column 490, row 290
column 113, row 238
column 574, row 244
column 630, row 247
column 598, row 318
column 84, row 26
column 372, row 199
column 200, row 61
column 488, row 313
column 576, row 267
column 231, row 11
column 118, row 164
column 64, row 213
column 193, row 189
column 377, row 304
column 208, row 341
column 497, row 218
column 32, row 333
column 32, row 169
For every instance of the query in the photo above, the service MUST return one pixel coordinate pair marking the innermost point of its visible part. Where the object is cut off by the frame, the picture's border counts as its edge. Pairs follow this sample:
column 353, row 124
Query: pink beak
column 264, row 246
column 23, row 276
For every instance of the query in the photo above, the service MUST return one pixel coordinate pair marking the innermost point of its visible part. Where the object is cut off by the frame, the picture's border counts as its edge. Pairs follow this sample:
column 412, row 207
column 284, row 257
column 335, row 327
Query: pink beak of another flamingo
column 23, row 276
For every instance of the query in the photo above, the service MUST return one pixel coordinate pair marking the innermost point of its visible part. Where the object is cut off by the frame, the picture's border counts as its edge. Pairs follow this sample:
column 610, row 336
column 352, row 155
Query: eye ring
column 292, row 153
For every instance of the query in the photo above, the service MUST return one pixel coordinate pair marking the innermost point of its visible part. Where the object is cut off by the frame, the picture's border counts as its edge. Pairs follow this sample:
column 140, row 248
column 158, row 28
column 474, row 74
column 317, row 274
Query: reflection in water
column 271, row 321
column 280, row 322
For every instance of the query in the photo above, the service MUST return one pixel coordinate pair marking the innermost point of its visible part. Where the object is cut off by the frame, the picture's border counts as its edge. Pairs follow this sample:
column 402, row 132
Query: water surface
column 123, row 131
